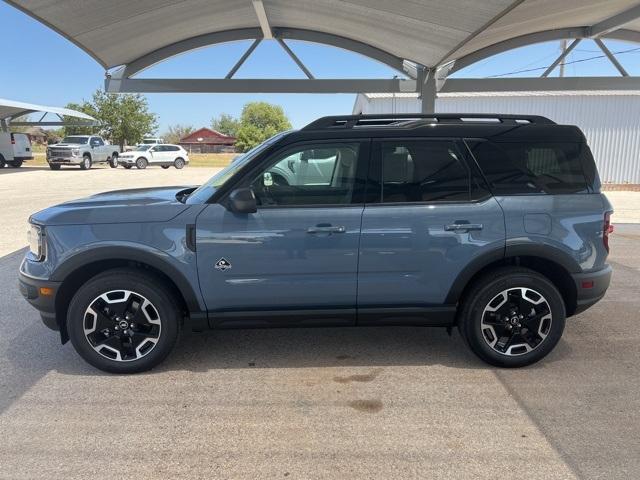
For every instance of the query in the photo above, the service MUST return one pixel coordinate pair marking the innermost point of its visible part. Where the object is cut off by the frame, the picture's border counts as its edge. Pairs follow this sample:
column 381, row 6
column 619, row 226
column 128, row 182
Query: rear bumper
column 591, row 287
column 31, row 290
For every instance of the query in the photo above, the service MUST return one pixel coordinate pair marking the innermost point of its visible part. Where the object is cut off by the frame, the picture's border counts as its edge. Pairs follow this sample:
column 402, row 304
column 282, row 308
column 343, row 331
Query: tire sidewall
column 113, row 161
column 473, row 316
column 178, row 163
column 141, row 163
column 86, row 163
column 153, row 290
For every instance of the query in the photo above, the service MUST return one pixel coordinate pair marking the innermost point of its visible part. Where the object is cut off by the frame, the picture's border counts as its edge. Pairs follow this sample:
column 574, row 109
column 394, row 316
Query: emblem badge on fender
column 223, row 265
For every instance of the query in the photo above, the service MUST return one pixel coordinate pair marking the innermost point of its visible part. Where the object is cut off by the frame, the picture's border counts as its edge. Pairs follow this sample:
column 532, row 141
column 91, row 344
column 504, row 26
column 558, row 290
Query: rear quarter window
column 529, row 168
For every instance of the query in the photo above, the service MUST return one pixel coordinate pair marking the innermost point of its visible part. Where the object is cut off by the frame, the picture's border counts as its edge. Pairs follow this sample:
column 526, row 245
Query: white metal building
column 610, row 120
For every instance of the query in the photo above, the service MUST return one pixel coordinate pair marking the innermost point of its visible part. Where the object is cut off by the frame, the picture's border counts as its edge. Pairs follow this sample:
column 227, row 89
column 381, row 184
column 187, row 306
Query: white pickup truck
column 15, row 148
column 82, row 151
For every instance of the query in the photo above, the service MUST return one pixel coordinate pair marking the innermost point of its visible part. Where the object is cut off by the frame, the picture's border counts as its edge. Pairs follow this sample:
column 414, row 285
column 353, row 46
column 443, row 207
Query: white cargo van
column 15, row 148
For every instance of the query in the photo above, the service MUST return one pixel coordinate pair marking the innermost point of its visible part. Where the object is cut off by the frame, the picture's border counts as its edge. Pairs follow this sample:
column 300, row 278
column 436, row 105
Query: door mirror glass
column 243, row 200
column 267, row 179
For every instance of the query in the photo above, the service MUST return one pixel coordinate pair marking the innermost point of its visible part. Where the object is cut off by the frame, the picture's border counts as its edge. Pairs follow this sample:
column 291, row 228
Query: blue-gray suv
column 491, row 223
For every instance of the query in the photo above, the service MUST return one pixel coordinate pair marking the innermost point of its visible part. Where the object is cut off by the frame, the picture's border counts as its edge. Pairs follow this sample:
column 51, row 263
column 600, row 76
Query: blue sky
column 40, row 66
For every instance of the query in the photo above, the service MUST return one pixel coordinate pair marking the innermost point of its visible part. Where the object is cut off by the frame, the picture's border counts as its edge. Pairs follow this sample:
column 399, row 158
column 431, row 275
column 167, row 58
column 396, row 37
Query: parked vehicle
column 498, row 228
column 15, row 148
column 152, row 140
column 82, row 151
column 164, row 155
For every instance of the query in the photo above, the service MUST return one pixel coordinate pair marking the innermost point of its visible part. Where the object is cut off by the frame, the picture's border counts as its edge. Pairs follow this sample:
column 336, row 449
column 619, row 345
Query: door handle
column 326, row 229
column 463, row 227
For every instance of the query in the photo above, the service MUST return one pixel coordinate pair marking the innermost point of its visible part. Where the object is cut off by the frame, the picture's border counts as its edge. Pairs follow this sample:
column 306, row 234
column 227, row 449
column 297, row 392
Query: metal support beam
column 549, row 84
column 561, row 58
column 55, row 124
column 250, row 85
column 261, row 13
column 615, row 22
column 295, row 58
column 243, row 58
column 611, row 57
column 428, row 92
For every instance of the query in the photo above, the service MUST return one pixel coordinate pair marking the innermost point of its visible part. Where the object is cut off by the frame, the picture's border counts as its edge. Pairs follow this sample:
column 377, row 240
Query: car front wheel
column 86, row 163
column 54, row 166
column 512, row 317
column 141, row 163
column 123, row 321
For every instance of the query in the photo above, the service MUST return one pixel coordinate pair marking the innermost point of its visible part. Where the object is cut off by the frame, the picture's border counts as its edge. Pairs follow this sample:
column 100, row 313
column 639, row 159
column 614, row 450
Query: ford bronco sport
column 491, row 223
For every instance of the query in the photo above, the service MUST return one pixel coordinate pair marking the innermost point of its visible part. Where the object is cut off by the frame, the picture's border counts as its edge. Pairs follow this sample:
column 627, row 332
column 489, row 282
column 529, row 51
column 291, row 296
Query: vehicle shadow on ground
column 8, row 170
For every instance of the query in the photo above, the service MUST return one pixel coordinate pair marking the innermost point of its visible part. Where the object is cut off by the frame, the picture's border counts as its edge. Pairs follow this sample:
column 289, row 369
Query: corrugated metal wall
column 611, row 123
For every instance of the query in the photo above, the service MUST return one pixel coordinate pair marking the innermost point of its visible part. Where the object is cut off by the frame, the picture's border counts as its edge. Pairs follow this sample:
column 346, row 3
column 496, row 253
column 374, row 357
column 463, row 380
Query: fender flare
column 156, row 259
column 512, row 250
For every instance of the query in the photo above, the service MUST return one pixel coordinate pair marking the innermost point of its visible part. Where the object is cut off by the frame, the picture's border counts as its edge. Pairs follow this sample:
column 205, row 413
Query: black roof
column 497, row 127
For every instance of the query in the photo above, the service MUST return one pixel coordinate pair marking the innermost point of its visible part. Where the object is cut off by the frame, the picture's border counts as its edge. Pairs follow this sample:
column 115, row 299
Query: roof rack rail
column 350, row 121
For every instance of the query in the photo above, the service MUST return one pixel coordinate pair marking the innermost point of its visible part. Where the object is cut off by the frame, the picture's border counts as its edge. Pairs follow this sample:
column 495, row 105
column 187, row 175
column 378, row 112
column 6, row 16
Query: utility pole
column 563, row 47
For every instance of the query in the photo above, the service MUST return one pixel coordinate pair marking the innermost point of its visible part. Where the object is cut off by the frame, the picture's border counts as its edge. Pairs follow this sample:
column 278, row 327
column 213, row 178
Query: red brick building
column 206, row 140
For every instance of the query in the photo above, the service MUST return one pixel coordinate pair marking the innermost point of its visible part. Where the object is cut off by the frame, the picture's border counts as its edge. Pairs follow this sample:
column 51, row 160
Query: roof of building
column 208, row 136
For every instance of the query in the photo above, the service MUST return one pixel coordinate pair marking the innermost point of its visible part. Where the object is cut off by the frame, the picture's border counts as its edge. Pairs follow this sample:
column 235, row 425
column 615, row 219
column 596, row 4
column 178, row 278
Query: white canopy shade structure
column 11, row 109
column 422, row 39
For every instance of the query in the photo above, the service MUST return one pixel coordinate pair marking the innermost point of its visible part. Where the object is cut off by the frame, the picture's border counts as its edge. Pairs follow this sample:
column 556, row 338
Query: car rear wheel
column 86, row 163
column 123, row 321
column 141, row 163
column 113, row 161
column 15, row 163
column 53, row 166
column 2, row 162
column 178, row 163
column 512, row 317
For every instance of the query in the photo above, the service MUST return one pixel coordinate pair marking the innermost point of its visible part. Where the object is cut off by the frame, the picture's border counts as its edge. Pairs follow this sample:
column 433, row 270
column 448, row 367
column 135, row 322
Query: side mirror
column 243, row 200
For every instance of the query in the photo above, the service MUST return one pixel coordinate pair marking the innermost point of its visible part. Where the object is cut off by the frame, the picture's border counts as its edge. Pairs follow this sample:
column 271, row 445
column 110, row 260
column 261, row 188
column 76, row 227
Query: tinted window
column 513, row 168
column 172, row 148
column 423, row 171
column 97, row 141
column 309, row 175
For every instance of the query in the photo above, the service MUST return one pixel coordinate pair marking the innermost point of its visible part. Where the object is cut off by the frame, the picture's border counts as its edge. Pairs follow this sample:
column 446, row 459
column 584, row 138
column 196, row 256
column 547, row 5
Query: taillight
column 607, row 228
column 13, row 140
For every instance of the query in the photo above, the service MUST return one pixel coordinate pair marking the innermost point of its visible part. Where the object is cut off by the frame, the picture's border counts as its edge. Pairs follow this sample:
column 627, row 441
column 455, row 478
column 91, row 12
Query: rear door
column 295, row 260
column 21, row 146
column 427, row 218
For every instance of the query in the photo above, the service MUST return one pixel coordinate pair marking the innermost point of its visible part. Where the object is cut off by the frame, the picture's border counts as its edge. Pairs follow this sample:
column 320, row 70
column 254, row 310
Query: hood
column 138, row 205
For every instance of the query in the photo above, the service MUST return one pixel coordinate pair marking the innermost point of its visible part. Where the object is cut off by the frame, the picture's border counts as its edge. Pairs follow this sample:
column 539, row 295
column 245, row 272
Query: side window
column 423, row 171
column 323, row 174
column 96, row 142
column 172, row 148
column 521, row 168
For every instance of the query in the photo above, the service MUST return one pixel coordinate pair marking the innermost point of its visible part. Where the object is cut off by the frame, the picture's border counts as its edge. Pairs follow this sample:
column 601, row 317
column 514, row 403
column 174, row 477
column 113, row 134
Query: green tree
column 225, row 123
column 175, row 132
column 84, row 107
column 259, row 121
column 124, row 119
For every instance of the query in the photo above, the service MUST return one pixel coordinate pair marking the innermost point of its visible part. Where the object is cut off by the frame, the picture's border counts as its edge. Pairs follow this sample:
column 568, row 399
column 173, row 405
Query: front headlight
column 75, row 152
column 35, row 235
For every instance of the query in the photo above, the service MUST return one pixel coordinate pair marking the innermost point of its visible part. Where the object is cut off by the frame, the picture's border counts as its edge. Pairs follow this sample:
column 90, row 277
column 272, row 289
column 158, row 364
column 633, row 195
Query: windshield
column 204, row 191
column 149, row 140
column 79, row 140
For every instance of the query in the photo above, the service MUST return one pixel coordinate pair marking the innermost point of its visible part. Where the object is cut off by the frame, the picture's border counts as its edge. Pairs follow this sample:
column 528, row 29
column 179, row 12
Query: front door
column 295, row 260
column 429, row 219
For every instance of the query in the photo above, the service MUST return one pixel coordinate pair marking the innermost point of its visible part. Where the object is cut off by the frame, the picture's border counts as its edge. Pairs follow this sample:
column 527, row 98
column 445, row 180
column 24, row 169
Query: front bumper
column 591, row 287
column 41, row 294
column 127, row 161
column 65, row 160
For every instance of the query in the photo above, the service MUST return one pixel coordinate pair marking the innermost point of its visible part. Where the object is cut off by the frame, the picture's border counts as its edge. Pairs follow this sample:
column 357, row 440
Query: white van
column 15, row 148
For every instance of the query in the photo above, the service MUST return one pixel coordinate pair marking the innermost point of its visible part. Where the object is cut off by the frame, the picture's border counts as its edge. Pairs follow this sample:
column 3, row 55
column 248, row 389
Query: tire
column 165, row 166
column 138, row 348
column 502, row 323
column 16, row 163
column 178, row 163
column 2, row 162
column 113, row 160
column 141, row 163
column 86, row 163
column 54, row 166
column 127, row 166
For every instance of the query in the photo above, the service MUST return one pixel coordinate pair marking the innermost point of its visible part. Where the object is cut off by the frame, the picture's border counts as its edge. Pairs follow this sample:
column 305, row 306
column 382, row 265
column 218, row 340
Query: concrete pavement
column 315, row 403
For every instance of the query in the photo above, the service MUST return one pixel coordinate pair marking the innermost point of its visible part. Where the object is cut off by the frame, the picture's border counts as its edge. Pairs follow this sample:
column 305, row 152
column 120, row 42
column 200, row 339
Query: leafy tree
column 84, row 107
column 225, row 123
column 175, row 132
column 259, row 121
column 123, row 118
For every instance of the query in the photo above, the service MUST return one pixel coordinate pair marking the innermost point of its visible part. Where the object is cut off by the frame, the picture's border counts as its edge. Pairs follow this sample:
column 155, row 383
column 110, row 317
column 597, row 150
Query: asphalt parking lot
column 312, row 403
